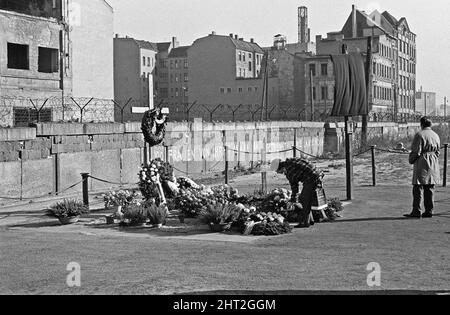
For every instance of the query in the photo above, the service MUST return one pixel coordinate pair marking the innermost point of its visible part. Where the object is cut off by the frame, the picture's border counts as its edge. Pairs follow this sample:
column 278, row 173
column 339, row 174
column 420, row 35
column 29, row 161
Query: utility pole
column 312, row 94
column 365, row 122
column 445, row 108
column 265, row 92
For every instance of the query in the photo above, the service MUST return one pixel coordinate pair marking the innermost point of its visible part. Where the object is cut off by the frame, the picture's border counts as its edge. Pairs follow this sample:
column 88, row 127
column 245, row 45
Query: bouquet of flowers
column 122, row 198
column 150, row 175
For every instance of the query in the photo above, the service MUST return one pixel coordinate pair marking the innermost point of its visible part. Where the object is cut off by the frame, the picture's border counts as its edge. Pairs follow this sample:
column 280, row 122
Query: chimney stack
column 236, row 36
column 303, row 36
column 354, row 30
column 175, row 42
column 252, row 40
column 231, row 35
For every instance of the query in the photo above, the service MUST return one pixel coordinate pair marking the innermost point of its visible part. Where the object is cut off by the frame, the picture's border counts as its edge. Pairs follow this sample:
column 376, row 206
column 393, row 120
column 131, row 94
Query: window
column 143, row 61
column 143, row 76
column 186, row 78
column 240, row 90
column 176, row 92
column 314, row 93
column 250, row 89
column 24, row 116
column 250, row 66
column 243, row 57
column 256, row 89
column 229, row 90
column 324, row 93
column 222, row 90
column 240, row 56
column 176, row 78
column 312, row 69
column 176, row 64
column 164, row 92
column 149, row 62
column 324, row 69
column 18, row 57
column 48, row 60
column 186, row 64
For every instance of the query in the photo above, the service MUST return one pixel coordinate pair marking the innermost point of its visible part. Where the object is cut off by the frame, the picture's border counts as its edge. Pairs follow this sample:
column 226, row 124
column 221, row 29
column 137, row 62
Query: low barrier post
column 374, row 170
column 445, row 163
column 264, row 173
column 226, row 165
column 85, row 177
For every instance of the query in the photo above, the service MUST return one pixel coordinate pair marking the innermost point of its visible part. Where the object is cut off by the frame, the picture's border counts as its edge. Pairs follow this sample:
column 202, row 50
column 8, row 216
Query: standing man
column 301, row 170
column 425, row 158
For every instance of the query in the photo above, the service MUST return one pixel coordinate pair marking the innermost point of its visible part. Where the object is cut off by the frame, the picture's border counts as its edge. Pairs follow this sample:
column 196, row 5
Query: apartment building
column 225, row 70
column 134, row 70
column 178, row 76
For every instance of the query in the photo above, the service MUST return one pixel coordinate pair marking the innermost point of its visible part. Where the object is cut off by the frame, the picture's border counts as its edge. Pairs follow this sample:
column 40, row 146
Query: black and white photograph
column 224, row 155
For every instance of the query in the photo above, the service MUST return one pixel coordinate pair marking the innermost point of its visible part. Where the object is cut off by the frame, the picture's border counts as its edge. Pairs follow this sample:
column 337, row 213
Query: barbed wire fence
column 21, row 111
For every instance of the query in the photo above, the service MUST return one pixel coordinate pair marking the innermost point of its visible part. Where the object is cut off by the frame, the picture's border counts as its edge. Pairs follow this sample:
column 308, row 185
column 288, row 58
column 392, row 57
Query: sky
column 159, row 20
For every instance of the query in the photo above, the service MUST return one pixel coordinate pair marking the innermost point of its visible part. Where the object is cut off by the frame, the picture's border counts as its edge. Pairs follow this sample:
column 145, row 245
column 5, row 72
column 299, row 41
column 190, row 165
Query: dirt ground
column 413, row 254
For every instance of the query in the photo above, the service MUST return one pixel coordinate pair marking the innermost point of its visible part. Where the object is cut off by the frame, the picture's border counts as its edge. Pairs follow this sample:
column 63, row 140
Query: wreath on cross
column 154, row 127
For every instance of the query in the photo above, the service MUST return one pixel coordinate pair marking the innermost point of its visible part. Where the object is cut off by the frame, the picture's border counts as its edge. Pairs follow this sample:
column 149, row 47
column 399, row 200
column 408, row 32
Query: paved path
column 413, row 254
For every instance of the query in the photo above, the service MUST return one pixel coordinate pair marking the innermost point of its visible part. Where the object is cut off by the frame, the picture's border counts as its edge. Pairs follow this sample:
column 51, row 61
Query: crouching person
column 299, row 170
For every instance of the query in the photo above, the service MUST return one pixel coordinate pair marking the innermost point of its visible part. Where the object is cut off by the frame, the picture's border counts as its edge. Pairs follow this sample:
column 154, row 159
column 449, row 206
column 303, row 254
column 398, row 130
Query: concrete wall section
column 38, row 177
column 10, row 174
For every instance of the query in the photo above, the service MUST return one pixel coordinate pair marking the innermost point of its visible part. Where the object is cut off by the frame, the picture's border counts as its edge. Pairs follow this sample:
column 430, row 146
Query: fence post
column 264, row 173
column 85, row 177
column 295, row 143
column 445, row 163
column 374, row 170
column 166, row 153
column 226, row 165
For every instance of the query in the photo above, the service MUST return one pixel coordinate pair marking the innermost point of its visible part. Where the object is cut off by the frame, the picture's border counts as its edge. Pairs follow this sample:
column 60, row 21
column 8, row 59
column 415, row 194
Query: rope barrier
column 42, row 196
column 259, row 153
column 392, row 151
column 109, row 182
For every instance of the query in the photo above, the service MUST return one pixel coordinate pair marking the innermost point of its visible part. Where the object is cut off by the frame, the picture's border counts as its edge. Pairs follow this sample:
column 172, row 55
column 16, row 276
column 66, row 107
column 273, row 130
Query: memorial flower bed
column 222, row 206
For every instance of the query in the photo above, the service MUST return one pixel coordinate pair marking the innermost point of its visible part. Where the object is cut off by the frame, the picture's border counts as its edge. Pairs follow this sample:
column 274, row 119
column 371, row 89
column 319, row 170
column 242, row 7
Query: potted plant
column 157, row 214
column 68, row 211
column 134, row 215
column 220, row 217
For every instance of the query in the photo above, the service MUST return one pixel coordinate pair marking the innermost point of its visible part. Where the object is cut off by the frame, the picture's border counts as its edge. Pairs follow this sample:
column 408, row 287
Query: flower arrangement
column 68, row 208
column 122, row 198
column 150, row 175
column 192, row 202
column 252, row 221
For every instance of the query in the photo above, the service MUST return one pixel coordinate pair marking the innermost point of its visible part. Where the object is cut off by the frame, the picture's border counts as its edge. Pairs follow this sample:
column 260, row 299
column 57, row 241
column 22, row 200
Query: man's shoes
column 302, row 226
column 413, row 216
column 427, row 215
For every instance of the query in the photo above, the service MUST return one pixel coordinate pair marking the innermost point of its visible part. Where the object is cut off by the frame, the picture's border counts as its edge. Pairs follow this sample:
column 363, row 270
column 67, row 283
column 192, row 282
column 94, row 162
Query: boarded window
column 25, row 116
column 18, row 56
column 48, row 60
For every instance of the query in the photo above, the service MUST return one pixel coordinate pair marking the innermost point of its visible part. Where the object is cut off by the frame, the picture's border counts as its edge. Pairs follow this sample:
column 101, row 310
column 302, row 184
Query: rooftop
column 179, row 52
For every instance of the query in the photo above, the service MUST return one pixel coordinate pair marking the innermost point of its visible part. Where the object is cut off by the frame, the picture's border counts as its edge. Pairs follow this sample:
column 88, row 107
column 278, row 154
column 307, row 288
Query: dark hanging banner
column 350, row 97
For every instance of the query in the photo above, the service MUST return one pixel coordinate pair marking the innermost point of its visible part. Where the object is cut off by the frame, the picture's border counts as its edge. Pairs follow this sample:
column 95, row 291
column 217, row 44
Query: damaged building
column 43, row 54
